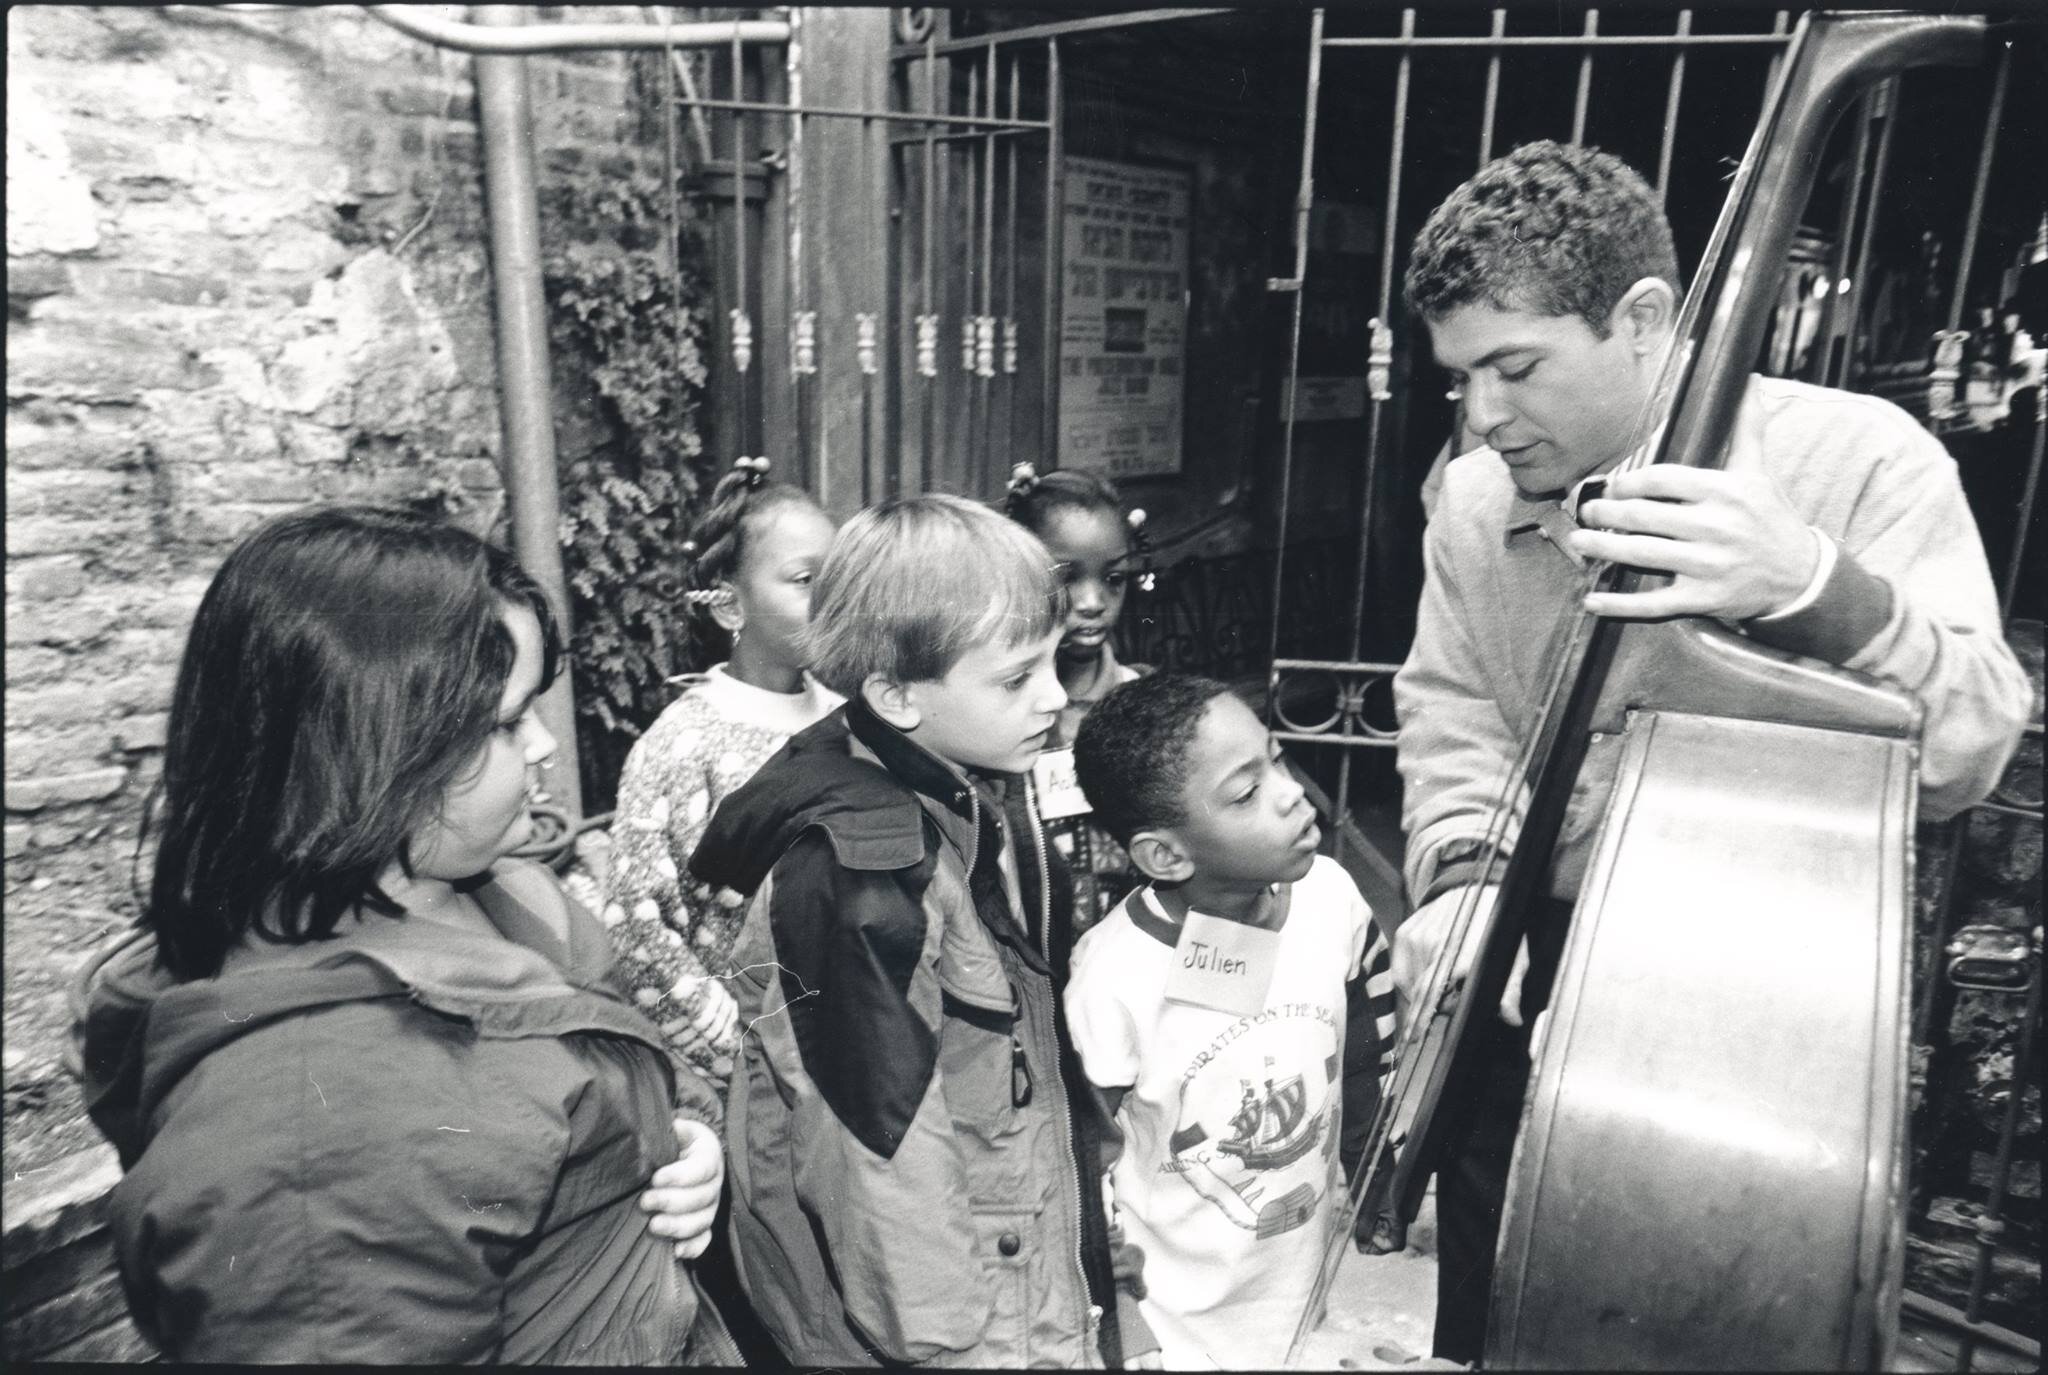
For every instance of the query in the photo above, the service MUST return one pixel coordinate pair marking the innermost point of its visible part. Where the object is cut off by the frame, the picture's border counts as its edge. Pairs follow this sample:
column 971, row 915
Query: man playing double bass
column 1836, row 529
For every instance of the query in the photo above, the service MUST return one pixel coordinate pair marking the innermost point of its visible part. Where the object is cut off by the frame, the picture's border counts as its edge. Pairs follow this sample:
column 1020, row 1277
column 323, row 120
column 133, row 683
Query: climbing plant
column 627, row 333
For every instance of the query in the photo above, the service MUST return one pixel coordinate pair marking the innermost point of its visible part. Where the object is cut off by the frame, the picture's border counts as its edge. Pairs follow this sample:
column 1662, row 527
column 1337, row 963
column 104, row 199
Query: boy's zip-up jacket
column 913, row 1180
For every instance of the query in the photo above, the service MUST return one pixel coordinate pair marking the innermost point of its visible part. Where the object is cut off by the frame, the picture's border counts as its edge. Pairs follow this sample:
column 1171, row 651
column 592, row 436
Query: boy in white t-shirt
column 1209, row 1010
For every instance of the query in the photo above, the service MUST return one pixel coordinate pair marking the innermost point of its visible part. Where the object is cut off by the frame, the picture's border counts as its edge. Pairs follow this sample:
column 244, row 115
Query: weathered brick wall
column 246, row 269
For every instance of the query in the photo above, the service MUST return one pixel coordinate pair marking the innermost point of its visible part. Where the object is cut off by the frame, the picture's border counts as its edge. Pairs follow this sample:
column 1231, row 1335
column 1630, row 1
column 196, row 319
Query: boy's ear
column 894, row 702
column 1160, row 856
column 726, row 610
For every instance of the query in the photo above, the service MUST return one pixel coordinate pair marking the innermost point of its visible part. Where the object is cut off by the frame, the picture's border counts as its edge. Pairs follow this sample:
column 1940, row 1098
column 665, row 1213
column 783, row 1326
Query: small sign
column 1224, row 966
column 1059, row 789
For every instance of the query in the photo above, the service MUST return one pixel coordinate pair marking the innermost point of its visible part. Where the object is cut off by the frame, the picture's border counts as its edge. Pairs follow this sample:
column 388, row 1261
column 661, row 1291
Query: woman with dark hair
column 373, row 1095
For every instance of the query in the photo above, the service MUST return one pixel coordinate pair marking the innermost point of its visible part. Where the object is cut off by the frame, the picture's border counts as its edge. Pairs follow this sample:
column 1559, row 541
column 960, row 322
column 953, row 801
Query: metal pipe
column 927, row 325
column 1991, row 1223
column 1934, row 1311
column 1055, row 257
column 1376, row 429
column 525, row 398
column 1992, row 113
column 1886, row 101
column 1492, row 108
column 802, row 394
column 1838, row 268
column 1052, row 31
column 489, row 39
column 680, row 71
column 741, row 317
column 2027, row 496
column 765, row 107
column 1573, row 40
column 1671, row 93
column 1010, row 279
column 985, row 335
column 1304, row 202
column 1585, row 80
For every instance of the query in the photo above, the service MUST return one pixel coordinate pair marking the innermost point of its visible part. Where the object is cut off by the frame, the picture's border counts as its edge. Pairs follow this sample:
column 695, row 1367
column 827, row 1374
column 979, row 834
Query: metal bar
column 1941, row 1315
column 767, row 107
column 1991, row 1222
column 1671, row 94
column 1838, row 269
column 1492, row 109
column 1779, row 22
column 1585, row 80
column 1376, row 430
column 742, row 323
column 2026, row 520
column 1776, row 38
column 1010, row 283
column 929, row 195
column 1055, row 256
column 1992, row 112
column 801, row 388
column 1885, row 100
column 1304, row 200
column 970, row 286
column 1054, row 31
column 525, row 405
column 485, row 40
column 679, row 70
column 986, row 375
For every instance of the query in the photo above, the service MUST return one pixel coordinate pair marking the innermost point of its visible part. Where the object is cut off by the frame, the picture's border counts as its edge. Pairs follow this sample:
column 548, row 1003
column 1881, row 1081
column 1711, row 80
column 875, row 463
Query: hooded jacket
column 901, row 1136
column 410, row 1143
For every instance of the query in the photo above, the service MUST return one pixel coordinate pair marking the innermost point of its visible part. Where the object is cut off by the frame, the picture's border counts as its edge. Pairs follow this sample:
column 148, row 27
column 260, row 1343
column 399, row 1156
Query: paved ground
column 1381, row 1307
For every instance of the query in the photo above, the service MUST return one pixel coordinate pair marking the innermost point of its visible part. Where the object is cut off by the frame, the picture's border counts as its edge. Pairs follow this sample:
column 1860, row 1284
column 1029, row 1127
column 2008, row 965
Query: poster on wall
column 1123, row 328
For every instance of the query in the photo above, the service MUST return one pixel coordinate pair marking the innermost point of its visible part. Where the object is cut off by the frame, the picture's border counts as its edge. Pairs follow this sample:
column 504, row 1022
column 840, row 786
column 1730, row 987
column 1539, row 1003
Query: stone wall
column 246, row 269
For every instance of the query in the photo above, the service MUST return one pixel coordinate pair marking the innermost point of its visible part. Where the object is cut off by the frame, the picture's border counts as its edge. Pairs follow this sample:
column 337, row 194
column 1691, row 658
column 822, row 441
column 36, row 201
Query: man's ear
column 894, row 702
column 1160, row 856
column 726, row 610
column 1646, row 314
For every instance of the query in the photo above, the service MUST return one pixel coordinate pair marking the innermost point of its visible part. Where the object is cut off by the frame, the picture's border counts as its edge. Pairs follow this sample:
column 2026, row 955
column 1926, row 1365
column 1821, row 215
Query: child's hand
column 717, row 1017
column 683, row 1195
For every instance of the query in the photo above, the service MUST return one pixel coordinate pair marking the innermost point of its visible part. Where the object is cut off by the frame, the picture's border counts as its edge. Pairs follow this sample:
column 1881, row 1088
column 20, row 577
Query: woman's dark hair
column 346, row 663
column 718, row 541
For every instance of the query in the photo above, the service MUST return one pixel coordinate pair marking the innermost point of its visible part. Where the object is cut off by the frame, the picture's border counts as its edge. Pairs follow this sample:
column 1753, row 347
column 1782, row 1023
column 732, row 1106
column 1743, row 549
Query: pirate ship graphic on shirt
column 1273, row 1126
column 1267, row 1165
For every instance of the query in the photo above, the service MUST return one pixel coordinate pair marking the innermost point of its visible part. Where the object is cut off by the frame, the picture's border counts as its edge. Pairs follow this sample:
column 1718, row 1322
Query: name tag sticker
column 1059, row 790
column 1224, row 966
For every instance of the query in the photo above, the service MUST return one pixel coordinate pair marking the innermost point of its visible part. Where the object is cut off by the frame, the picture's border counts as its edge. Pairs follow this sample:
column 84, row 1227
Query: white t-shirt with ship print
column 1229, row 1178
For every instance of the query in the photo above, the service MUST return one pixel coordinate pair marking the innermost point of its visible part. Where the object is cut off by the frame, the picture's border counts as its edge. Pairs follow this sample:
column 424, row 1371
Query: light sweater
column 1498, row 585
column 673, row 934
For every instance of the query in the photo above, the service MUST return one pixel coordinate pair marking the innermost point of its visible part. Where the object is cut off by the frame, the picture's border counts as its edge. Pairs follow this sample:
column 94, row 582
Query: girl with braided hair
column 753, row 552
column 1098, row 547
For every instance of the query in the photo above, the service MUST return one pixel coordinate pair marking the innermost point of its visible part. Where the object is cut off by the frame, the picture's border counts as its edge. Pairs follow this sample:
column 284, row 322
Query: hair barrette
column 688, row 549
column 1136, row 519
column 755, row 468
column 1023, row 478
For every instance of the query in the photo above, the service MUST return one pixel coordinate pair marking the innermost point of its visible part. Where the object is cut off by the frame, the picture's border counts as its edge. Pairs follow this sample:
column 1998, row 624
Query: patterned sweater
column 673, row 934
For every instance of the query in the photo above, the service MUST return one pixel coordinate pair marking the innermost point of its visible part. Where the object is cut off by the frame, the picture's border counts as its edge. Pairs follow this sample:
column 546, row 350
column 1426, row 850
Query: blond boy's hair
column 911, row 585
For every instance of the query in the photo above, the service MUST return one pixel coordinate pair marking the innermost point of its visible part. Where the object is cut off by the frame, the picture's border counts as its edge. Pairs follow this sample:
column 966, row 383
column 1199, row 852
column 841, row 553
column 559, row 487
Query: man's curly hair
column 1552, row 228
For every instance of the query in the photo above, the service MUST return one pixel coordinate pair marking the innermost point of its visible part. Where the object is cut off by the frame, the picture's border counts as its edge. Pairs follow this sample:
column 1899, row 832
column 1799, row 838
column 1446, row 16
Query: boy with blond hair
column 902, row 1140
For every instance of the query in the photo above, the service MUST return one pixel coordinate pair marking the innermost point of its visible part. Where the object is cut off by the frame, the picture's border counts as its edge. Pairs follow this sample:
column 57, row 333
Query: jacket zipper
column 1052, row 990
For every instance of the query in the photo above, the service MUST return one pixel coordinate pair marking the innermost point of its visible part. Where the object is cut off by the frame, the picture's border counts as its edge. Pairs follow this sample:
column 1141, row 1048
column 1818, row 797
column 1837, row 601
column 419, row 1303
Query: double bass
column 1709, row 1172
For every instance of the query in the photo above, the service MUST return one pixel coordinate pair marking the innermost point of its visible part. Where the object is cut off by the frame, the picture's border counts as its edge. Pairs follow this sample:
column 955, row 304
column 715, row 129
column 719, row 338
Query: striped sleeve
column 1377, row 967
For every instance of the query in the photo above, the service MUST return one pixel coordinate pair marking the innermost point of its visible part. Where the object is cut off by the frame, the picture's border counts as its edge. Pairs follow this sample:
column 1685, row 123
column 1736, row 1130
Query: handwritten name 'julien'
column 1207, row 957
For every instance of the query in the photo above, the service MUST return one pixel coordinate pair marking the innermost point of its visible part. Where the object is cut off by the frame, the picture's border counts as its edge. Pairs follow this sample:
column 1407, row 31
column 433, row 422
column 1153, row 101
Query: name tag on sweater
column 1059, row 790
column 1224, row 966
